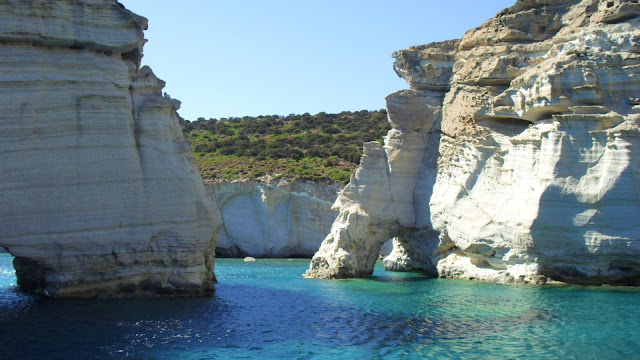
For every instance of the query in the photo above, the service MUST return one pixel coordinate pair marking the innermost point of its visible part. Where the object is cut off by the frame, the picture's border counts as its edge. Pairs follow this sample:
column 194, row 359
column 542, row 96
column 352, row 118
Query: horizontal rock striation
column 273, row 219
column 514, row 156
column 99, row 193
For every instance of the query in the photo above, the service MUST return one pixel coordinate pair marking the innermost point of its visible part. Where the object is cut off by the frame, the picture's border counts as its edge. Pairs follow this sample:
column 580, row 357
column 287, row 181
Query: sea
column 266, row 310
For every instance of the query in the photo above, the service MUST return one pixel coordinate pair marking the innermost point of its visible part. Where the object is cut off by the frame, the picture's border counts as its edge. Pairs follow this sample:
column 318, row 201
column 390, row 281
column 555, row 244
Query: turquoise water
column 265, row 310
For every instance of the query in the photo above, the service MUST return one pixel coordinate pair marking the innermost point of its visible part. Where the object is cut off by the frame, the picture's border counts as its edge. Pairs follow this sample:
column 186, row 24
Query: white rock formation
column 274, row 219
column 99, row 193
column 531, row 162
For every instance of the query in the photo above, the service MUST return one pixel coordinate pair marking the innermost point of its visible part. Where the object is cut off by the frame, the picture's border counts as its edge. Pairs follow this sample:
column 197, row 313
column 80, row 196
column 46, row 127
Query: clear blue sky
column 225, row 58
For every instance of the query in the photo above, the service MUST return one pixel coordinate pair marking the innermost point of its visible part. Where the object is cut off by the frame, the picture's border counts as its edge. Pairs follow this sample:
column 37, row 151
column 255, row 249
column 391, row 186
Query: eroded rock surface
column 274, row 219
column 513, row 157
column 99, row 193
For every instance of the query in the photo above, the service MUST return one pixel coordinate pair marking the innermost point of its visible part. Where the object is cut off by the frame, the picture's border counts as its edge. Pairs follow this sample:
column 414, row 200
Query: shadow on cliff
column 420, row 242
column 590, row 243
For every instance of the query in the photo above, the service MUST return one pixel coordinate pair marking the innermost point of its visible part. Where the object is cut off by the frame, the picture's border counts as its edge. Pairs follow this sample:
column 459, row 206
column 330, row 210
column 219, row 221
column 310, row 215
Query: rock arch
column 379, row 201
column 502, row 166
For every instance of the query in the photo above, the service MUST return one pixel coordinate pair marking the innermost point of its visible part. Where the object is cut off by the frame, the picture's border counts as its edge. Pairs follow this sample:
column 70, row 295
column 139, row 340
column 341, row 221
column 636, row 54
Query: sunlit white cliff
column 99, row 193
column 514, row 157
column 274, row 219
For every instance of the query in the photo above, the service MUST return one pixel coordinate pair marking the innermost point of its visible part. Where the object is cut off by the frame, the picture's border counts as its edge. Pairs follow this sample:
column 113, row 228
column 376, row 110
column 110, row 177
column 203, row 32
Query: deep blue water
column 266, row 310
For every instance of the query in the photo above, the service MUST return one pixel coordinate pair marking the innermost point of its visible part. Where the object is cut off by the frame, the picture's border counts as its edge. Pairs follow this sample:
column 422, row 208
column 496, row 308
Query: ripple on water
column 265, row 309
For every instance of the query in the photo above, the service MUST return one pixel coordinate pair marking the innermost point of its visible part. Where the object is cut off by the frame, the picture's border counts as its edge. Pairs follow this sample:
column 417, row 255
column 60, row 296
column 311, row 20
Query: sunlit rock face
column 378, row 202
column 531, row 169
column 274, row 219
column 99, row 193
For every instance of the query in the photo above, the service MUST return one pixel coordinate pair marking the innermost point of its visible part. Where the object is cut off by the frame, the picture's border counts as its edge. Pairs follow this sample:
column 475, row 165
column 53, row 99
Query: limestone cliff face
column 514, row 156
column 274, row 219
column 99, row 193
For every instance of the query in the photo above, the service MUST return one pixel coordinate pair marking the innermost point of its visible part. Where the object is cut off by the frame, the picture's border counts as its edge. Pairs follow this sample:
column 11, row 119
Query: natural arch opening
column 23, row 272
column 7, row 271
column 413, row 251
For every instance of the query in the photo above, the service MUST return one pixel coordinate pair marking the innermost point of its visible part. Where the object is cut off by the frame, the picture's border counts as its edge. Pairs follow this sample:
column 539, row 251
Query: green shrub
column 320, row 146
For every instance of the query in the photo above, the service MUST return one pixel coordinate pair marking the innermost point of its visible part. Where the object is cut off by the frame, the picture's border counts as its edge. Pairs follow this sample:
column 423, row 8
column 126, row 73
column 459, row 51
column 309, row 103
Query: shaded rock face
column 99, row 193
column 525, row 166
column 273, row 219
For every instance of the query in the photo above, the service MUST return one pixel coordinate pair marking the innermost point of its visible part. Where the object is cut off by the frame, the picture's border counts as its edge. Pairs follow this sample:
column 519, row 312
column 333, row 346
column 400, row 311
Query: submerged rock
column 273, row 219
column 513, row 158
column 99, row 193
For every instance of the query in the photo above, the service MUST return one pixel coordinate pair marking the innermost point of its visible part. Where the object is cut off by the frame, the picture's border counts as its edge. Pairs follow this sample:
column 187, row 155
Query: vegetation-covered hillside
column 315, row 147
